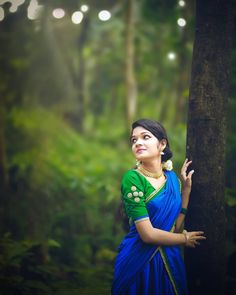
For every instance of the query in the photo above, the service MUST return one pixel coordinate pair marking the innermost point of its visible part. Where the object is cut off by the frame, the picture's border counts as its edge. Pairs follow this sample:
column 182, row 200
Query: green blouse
column 135, row 189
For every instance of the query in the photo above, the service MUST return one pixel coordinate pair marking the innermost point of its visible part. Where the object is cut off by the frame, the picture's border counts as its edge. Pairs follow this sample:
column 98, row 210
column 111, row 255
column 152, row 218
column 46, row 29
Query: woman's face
column 145, row 145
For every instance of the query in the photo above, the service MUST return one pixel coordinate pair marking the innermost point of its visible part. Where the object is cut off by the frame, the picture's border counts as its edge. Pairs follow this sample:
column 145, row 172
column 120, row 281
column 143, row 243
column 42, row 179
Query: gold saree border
column 156, row 191
column 166, row 264
column 141, row 219
column 168, row 271
column 166, row 267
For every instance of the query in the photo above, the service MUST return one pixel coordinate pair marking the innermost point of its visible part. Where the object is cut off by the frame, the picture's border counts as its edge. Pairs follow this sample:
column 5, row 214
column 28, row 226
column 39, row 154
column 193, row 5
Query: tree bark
column 131, row 86
column 82, row 98
column 3, row 170
column 206, row 143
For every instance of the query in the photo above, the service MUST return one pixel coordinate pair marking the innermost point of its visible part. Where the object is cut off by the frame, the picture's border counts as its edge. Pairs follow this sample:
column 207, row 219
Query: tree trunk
column 131, row 87
column 206, row 143
column 82, row 98
column 3, row 173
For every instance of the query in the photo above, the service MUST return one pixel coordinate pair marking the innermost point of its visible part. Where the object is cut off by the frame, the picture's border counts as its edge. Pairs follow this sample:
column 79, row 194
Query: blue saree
column 146, row 269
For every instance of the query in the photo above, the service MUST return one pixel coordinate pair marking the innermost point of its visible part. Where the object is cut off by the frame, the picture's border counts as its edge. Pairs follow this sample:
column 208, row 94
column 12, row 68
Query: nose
column 138, row 142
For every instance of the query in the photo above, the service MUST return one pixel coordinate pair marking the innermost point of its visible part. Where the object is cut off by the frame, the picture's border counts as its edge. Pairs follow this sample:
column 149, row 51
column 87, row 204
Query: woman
column 149, row 259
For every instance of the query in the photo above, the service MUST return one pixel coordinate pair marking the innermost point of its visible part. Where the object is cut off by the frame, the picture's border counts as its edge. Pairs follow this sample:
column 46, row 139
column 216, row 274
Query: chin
column 140, row 158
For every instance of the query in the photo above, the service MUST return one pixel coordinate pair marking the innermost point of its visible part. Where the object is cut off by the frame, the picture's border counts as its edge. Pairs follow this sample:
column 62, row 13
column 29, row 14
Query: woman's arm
column 180, row 220
column 186, row 180
column 151, row 235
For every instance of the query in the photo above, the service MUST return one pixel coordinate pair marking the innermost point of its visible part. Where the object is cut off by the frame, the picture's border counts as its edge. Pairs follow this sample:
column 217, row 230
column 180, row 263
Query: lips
column 140, row 150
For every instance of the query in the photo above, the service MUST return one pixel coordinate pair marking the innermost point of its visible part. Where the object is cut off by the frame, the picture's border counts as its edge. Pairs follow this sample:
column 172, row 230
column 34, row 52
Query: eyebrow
column 141, row 133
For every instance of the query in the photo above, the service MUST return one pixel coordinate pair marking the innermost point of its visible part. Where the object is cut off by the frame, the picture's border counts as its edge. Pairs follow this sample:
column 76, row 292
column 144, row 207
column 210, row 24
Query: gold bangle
column 185, row 236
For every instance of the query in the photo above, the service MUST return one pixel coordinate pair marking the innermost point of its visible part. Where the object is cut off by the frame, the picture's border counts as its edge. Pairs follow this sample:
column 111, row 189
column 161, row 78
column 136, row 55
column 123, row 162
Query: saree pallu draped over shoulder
column 147, row 269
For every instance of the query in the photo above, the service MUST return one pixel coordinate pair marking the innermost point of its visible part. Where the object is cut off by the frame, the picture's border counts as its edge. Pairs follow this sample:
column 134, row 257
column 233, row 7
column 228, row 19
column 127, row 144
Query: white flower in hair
column 168, row 165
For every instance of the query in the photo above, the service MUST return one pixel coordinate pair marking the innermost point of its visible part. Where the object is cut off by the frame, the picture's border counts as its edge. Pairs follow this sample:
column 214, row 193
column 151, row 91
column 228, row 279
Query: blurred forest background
column 74, row 74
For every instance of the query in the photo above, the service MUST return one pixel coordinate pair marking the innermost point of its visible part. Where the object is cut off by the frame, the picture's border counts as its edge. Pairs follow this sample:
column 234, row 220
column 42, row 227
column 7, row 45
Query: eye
column 146, row 136
column 133, row 140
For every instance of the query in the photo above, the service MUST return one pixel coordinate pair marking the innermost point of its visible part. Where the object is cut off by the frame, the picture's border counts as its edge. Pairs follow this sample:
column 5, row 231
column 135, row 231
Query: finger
column 184, row 168
column 190, row 174
column 185, row 161
column 184, row 164
column 200, row 238
column 191, row 245
column 198, row 233
column 188, row 163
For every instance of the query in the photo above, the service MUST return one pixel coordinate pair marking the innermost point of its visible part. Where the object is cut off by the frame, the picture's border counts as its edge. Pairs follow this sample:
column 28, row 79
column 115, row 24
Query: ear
column 163, row 144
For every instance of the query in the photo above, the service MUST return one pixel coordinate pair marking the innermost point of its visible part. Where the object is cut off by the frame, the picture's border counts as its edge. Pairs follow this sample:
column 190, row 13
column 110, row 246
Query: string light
column 181, row 3
column 104, row 15
column 58, row 13
column 181, row 22
column 1, row 14
column 77, row 17
column 14, row 4
column 34, row 10
column 84, row 8
column 171, row 55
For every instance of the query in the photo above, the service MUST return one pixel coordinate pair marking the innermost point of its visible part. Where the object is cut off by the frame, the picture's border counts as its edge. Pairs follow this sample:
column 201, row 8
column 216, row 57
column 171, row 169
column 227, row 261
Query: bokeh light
column 181, row 22
column 104, row 15
column 14, row 4
column 58, row 13
column 181, row 3
column 34, row 10
column 171, row 55
column 77, row 17
column 84, row 8
column 1, row 14
column 13, row 8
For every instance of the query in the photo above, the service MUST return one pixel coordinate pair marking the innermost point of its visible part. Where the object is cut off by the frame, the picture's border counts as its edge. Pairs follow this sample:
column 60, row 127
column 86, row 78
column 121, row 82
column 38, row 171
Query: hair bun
column 167, row 154
column 168, row 165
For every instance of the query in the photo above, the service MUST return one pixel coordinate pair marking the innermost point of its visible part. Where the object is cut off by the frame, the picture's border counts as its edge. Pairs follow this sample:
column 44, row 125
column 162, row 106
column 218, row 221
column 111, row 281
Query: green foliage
column 25, row 268
column 71, row 185
column 60, row 164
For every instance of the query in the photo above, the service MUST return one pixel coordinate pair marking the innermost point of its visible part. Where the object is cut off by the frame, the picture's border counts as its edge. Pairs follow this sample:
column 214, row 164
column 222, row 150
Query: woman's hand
column 192, row 239
column 186, row 178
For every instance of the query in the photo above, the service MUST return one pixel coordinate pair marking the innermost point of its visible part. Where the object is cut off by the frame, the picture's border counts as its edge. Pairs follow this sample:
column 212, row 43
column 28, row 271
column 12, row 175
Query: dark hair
column 158, row 131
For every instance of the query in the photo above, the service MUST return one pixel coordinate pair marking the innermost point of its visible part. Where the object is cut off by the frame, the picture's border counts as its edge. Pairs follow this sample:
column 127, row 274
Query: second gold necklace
column 148, row 173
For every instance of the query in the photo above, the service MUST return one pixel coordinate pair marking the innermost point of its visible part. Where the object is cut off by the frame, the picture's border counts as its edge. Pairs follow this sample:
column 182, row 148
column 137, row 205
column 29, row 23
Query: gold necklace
column 148, row 173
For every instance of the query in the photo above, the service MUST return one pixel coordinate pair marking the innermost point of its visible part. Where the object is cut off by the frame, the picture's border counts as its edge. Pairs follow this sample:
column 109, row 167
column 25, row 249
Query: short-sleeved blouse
column 135, row 189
